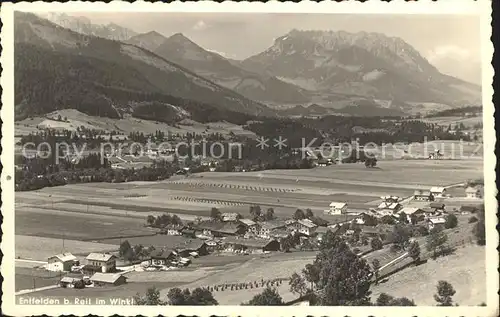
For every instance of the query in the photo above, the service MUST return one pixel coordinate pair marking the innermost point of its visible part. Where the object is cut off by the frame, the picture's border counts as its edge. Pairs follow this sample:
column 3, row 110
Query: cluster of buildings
column 101, row 267
column 233, row 226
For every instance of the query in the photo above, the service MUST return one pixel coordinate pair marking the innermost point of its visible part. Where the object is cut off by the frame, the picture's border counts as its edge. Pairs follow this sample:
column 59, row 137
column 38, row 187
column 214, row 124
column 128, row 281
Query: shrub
column 473, row 219
column 376, row 244
column 451, row 221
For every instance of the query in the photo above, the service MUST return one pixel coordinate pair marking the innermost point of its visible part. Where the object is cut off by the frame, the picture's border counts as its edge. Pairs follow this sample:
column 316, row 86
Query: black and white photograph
column 248, row 158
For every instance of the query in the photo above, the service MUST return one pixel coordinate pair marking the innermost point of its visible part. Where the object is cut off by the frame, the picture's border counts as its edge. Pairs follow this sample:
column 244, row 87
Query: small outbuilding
column 437, row 206
column 102, row 279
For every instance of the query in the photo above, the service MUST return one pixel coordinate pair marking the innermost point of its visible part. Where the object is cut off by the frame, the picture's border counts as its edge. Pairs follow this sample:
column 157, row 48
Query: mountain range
column 360, row 64
column 257, row 86
column 68, row 62
column 83, row 25
column 57, row 68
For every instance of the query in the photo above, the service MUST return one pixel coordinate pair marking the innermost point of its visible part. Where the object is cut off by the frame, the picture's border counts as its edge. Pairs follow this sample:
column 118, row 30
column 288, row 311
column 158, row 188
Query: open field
column 106, row 210
column 32, row 221
column 251, row 271
column 468, row 277
column 126, row 125
column 27, row 278
column 39, row 248
column 446, row 121
column 110, row 213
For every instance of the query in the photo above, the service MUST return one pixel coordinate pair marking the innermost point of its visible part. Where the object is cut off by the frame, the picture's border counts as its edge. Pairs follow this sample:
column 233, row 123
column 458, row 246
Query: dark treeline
column 35, row 173
column 456, row 112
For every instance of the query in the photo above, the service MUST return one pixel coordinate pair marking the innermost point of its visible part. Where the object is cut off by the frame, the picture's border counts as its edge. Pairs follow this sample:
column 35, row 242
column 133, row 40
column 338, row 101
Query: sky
column 450, row 42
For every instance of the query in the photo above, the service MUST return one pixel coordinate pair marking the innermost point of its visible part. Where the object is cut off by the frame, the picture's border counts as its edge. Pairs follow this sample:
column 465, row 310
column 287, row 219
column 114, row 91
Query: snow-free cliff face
column 83, row 25
column 364, row 64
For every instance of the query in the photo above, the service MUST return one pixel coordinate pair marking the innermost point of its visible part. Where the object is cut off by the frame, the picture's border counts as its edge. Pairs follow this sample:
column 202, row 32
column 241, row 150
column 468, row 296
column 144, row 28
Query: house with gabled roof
column 437, row 191
column 388, row 208
column 268, row 226
column 337, row 208
column 473, row 192
column 61, row 262
column 162, row 257
column 100, row 262
column 102, row 279
column 423, row 195
column 303, row 226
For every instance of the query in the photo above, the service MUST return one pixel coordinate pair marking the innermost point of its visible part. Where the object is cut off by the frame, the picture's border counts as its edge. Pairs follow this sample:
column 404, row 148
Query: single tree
column 286, row 244
column 413, row 219
column 297, row 284
column 444, row 295
column 414, row 251
column 176, row 220
column 152, row 298
column 451, row 221
column 202, row 296
column 344, row 278
column 473, row 219
column 479, row 229
column 436, row 241
column 376, row 268
column 269, row 214
column 388, row 300
column 309, row 213
column 403, row 217
column 79, row 284
column 400, row 236
column 402, row 301
column 422, row 231
column 299, row 214
column 124, row 248
column 269, row 297
column 215, row 214
column 150, row 220
column 256, row 212
column 176, row 297
column 384, row 300
column 376, row 243
column 311, row 274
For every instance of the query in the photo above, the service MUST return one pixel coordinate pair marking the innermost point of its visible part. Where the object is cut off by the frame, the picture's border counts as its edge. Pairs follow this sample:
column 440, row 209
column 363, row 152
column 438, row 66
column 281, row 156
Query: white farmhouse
column 472, row 192
column 61, row 262
column 337, row 208
column 438, row 191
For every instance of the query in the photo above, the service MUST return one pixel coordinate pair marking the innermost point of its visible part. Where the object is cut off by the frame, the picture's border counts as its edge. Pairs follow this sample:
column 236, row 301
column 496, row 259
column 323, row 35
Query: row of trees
column 136, row 252
column 163, row 220
column 258, row 214
column 198, row 297
column 270, row 296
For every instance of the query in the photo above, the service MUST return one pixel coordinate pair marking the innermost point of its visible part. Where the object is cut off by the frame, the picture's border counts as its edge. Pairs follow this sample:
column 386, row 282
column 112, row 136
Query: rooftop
column 64, row 257
column 307, row 223
column 105, row 277
column 472, row 190
column 337, row 204
column 273, row 224
column 254, row 243
column 410, row 210
column 161, row 254
column 247, row 222
column 99, row 257
column 436, row 189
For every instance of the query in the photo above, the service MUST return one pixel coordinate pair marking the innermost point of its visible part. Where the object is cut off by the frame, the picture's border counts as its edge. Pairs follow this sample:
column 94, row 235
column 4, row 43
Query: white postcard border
column 466, row 7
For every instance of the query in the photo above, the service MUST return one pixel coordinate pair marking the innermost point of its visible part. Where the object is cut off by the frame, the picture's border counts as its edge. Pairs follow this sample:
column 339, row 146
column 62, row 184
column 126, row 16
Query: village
column 227, row 234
